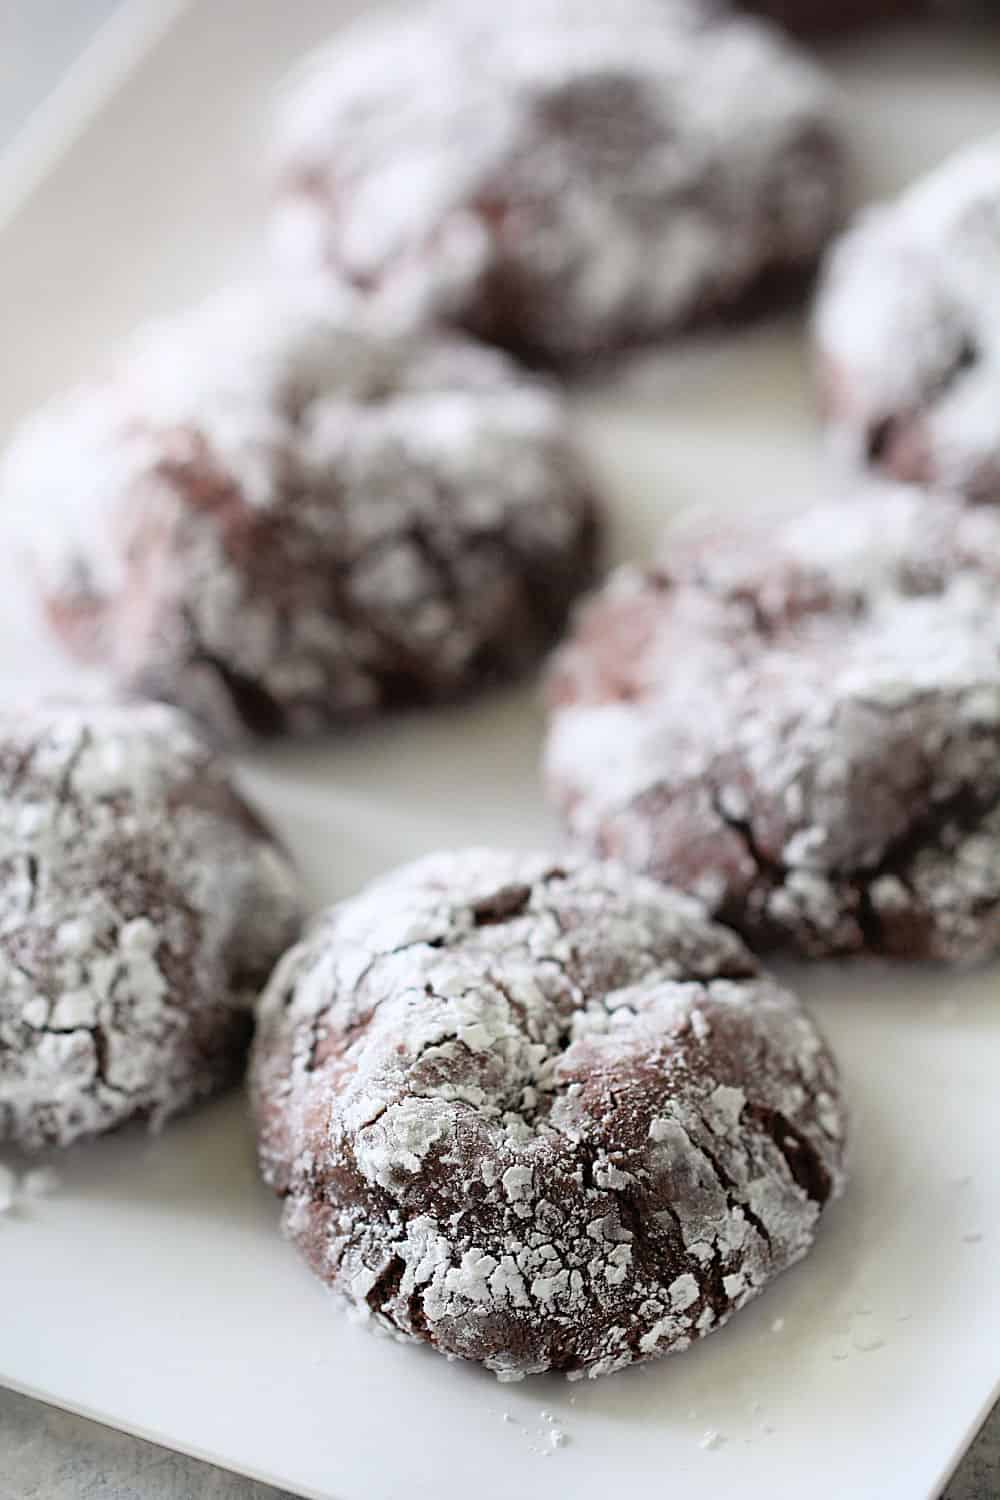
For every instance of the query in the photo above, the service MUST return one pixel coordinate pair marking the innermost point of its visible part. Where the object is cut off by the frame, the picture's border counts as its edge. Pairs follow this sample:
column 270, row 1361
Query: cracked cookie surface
column 541, row 1114
column 281, row 520
column 142, row 906
column 570, row 178
column 907, row 328
column 799, row 721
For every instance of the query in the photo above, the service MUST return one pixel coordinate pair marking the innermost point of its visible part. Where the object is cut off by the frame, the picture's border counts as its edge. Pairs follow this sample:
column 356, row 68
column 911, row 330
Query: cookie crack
column 385, row 1288
column 99, row 1038
column 885, row 432
column 565, row 1028
column 964, row 810
column 251, row 701
column 712, row 1284
column 31, row 870
column 359, row 1022
column 64, row 791
column 502, row 906
column 800, row 1155
column 734, row 1198
column 766, row 865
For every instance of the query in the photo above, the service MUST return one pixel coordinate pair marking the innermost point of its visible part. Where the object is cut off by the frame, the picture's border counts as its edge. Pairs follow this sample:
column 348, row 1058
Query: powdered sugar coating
column 907, row 326
column 543, row 1115
column 280, row 519
column 800, row 722
column 142, row 906
column 568, row 178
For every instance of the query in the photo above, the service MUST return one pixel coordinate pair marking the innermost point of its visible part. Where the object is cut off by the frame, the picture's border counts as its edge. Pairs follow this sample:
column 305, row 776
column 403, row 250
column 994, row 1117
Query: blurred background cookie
column 281, row 520
column 799, row 721
column 907, row 329
column 568, row 178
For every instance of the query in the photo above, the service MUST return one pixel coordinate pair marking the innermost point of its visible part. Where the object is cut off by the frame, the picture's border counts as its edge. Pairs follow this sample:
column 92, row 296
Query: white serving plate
column 152, row 1290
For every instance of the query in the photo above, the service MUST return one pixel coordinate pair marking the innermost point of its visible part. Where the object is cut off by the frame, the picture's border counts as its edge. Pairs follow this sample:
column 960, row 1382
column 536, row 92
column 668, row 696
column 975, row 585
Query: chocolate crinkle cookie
column 799, row 721
column 540, row 1114
column 281, row 520
column 142, row 907
column 569, row 178
column 908, row 331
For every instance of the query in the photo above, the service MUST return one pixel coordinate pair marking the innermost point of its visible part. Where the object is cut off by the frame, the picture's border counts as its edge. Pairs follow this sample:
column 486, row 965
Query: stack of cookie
column 540, row 1111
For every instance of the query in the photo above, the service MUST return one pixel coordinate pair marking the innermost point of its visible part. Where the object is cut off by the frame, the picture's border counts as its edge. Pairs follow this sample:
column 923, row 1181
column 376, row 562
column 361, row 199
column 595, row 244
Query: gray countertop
column 47, row 1454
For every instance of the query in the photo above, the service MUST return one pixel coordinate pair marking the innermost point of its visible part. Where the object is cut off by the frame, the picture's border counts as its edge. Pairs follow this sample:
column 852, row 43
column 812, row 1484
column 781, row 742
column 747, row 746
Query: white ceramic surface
column 152, row 1290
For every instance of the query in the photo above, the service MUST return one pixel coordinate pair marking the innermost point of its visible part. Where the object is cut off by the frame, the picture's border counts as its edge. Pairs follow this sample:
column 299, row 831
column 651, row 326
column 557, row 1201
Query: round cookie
column 907, row 328
column 142, row 906
column 569, row 179
column 799, row 721
column 281, row 520
column 542, row 1114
